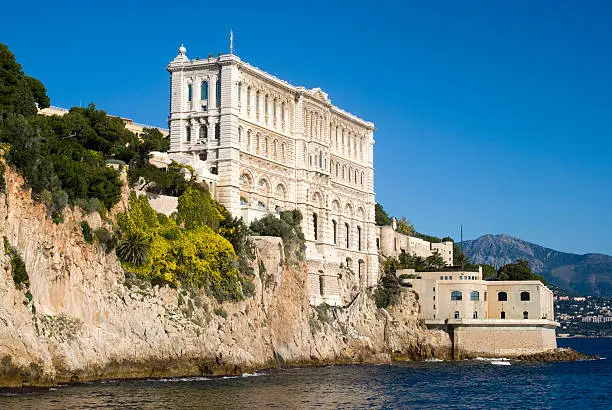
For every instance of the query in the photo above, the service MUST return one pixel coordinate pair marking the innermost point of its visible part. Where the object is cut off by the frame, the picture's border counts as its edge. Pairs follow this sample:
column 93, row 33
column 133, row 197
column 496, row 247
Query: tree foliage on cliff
column 381, row 216
column 16, row 97
column 287, row 227
column 388, row 289
column 20, row 275
column 63, row 158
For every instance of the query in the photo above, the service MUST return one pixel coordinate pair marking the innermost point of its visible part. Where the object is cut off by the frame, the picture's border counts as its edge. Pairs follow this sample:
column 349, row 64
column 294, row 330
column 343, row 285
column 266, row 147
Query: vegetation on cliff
column 287, row 227
column 63, row 160
column 190, row 252
column 20, row 275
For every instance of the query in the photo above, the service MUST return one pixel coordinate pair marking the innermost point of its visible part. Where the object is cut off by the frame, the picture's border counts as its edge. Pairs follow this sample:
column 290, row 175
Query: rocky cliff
column 83, row 319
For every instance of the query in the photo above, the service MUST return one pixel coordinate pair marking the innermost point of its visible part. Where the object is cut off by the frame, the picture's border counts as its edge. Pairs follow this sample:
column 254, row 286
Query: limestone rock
column 86, row 320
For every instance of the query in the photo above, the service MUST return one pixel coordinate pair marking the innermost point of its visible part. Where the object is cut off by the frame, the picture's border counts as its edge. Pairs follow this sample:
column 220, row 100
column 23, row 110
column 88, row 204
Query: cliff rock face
column 86, row 320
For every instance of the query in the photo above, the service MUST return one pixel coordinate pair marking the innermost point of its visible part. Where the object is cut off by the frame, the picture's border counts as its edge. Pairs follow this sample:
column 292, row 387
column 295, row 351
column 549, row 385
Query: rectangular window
column 204, row 91
column 189, row 92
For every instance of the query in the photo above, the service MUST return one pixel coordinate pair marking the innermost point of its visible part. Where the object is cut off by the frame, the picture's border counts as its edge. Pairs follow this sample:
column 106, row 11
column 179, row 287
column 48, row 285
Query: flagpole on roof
column 231, row 41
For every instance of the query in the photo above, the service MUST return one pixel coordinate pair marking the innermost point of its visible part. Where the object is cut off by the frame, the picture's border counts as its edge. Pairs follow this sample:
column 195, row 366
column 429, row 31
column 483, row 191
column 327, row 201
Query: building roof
column 316, row 93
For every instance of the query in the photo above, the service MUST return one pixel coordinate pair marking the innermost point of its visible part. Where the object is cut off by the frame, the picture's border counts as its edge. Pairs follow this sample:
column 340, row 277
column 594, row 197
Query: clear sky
column 491, row 114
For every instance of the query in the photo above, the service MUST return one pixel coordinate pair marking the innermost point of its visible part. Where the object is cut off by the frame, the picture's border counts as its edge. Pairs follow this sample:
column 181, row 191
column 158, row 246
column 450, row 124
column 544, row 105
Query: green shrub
column 2, row 180
column 221, row 312
column 20, row 275
column 407, row 276
column 287, row 227
column 87, row 232
column 324, row 313
column 388, row 289
column 106, row 239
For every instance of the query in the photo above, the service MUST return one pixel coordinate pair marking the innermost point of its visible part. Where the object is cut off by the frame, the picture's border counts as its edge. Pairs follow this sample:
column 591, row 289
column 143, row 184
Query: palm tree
column 134, row 249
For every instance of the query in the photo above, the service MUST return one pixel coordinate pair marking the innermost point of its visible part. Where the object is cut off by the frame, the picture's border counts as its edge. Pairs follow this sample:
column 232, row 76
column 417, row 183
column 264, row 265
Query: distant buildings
column 391, row 243
column 130, row 125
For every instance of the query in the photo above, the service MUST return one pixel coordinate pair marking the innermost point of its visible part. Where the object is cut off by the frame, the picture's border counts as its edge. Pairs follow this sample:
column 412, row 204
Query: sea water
column 462, row 384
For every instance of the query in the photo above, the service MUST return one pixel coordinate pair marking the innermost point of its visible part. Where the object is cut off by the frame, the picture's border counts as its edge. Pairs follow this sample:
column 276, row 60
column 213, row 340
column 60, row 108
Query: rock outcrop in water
column 556, row 355
column 83, row 319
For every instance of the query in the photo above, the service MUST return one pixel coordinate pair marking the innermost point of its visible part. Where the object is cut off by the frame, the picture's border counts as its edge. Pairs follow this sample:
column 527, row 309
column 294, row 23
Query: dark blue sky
column 494, row 115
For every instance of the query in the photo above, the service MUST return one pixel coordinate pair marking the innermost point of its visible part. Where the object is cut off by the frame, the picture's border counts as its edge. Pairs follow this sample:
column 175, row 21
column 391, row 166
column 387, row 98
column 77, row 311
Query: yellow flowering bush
column 197, row 257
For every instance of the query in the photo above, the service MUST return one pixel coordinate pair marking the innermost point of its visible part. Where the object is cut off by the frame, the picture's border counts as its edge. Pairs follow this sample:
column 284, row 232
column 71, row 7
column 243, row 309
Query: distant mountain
column 589, row 274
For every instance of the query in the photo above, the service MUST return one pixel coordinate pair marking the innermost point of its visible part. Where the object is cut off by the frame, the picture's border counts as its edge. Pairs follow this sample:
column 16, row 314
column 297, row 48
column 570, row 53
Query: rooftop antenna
column 231, row 41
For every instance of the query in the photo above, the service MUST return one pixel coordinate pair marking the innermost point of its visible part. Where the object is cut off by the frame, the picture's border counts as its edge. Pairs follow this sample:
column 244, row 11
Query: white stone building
column 392, row 243
column 270, row 146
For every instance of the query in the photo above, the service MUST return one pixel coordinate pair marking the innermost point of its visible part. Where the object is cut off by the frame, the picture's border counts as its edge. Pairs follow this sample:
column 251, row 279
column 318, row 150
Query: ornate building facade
column 265, row 145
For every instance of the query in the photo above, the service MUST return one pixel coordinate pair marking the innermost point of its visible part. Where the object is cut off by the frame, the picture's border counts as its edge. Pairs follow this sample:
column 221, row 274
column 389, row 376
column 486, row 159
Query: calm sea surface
column 465, row 384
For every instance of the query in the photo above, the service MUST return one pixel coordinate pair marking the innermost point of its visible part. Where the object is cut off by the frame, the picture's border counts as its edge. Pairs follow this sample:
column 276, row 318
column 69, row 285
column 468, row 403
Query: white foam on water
column 180, row 379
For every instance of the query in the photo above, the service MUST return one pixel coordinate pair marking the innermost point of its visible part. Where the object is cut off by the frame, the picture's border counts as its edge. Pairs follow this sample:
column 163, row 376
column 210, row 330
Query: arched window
column 334, row 228
column 248, row 147
column 239, row 93
column 284, row 151
column 257, row 101
column 475, row 315
column 474, row 295
column 456, row 295
column 362, row 178
column 203, row 133
column 525, row 315
column 337, row 169
column 239, row 135
column 502, row 296
column 320, row 159
column 315, row 226
column 266, row 104
column 248, row 96
column 257, row 141
column 359, row 238
column 274, row 109
column 217, row 131
column 274, row 149
column 525, row 296
column 243, row 201
column 204, row 90
column 502, row 315
column 355, row 176
column 188, row 134
column 218, row 91
column 456, row 314
column 346, row 226
column 265, row 146
column 261, row 205
column 189, row 92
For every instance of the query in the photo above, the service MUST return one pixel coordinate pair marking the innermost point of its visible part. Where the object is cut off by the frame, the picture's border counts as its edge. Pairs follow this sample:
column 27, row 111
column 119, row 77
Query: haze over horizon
column 488, row 114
